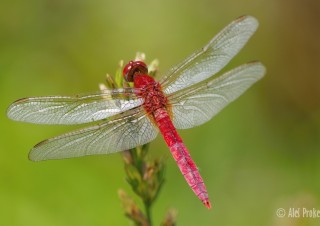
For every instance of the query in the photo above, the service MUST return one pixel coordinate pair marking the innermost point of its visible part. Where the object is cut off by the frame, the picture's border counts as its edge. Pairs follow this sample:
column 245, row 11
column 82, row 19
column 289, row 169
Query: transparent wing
column 198, row 104
column 74, row 110
column 212, row 58
column 127, row 131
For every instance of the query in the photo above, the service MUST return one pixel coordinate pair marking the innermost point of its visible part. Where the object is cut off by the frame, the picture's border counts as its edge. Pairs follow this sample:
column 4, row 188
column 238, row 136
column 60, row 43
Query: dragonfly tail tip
column 207, row 204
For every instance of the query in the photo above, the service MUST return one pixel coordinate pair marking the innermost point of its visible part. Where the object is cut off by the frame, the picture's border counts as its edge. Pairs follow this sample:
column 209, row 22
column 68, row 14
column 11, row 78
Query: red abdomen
column 181, row 155
column 158, row 109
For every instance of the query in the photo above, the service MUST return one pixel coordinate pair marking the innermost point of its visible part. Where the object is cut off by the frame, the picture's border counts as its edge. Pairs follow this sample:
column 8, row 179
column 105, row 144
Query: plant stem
column 148, row 212
column 145, row 176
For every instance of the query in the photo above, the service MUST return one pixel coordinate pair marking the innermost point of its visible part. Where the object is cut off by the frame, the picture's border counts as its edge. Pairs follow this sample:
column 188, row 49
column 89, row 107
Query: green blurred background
column 259, row 154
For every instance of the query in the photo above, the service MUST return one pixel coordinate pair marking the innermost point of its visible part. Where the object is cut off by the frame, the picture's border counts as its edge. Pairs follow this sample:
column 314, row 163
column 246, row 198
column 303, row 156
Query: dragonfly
column 188, row 95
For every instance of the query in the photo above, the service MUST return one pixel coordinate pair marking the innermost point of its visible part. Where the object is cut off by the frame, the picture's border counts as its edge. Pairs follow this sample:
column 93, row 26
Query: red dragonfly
column 188, row 95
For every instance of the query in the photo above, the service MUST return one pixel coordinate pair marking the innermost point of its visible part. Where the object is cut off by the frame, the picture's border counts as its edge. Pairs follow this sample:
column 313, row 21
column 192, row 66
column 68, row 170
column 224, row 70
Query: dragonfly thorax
column 132, row 68
column 151, row 92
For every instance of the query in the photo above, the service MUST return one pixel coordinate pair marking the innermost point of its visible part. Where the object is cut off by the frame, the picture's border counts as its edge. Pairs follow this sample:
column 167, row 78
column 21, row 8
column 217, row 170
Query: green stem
column 147, row 207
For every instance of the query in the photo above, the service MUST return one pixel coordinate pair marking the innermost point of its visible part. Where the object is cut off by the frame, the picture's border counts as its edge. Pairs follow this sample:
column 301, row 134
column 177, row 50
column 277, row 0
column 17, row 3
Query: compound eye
column 126, row 71
column 132, row 68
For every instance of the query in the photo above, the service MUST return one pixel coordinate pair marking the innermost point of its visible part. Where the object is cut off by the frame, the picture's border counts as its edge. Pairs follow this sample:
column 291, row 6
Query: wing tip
column 248, row 21
column 32, row 158
column 247, row 18
column 258, row 64
column 14, row 105
column 35, row 155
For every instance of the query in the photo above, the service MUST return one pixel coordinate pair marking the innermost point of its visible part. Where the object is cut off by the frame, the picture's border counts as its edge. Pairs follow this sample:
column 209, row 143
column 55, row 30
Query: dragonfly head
column 132, row 68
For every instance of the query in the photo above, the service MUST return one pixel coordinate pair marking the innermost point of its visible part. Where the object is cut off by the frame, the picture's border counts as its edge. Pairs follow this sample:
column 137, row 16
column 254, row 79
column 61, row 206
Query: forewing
column 198, row 104
column 212, row 58
column 124, row 132
column 73, row 110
